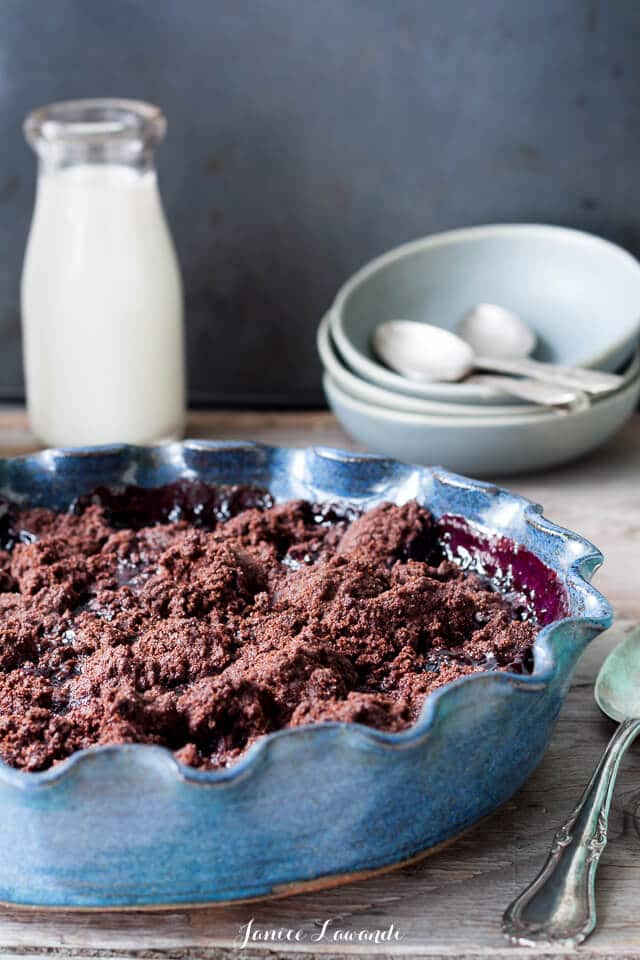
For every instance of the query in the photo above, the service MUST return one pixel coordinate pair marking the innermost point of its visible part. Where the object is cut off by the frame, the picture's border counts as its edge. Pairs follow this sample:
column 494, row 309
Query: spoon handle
column 558, row 907
column 577, row 378
column 534, row 391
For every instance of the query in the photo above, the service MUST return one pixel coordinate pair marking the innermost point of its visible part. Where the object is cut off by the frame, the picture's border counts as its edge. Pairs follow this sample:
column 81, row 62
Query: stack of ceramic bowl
column 579, row 294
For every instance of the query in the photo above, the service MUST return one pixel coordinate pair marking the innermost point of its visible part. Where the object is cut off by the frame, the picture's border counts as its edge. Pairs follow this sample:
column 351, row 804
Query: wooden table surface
column 448, row 906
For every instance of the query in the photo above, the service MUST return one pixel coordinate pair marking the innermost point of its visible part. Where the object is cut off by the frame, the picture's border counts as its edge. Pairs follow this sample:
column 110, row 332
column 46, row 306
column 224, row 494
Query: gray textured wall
column 306, row 136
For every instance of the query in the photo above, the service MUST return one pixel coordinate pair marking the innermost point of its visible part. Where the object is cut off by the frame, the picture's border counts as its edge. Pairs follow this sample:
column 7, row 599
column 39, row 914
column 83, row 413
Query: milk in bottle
column 101, row 289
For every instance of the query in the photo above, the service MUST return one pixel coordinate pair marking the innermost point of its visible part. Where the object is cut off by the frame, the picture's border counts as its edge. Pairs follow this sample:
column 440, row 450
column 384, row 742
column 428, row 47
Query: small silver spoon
column 512, row 339
column 420, row 351
column 559, row 907
column 558, row 397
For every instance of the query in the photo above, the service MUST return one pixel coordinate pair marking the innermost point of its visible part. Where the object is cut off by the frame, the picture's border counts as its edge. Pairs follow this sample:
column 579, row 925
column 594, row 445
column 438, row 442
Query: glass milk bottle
column 101, row 290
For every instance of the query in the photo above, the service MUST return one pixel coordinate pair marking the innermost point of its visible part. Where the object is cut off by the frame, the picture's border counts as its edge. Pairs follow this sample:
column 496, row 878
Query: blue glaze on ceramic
column 129, row 826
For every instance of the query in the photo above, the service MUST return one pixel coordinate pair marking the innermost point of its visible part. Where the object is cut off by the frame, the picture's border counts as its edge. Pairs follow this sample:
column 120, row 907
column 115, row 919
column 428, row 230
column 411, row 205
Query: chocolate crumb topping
column 202, row 618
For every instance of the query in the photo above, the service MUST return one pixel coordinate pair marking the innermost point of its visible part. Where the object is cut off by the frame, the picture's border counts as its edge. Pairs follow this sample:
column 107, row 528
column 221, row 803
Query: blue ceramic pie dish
column 128, row 826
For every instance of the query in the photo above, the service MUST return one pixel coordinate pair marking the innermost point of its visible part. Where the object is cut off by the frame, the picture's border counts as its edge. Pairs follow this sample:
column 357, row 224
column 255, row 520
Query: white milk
column 102, row 310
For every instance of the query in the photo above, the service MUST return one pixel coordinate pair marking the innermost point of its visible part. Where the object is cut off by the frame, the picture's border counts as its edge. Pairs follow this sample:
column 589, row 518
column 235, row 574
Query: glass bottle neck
column 90, row 132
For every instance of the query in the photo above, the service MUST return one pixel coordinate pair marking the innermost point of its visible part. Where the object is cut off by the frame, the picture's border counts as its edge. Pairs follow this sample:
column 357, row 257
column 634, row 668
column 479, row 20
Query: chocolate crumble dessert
column 202, row 618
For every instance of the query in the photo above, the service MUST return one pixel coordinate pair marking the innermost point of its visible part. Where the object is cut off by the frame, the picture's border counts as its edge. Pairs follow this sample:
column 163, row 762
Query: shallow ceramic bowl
column 129, row 826
column 581, row 295
column 487, row 446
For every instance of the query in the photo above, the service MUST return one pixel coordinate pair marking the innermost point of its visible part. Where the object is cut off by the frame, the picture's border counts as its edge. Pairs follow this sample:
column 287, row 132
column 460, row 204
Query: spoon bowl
column 617, row 689
column 422, row 352
column 494, row 331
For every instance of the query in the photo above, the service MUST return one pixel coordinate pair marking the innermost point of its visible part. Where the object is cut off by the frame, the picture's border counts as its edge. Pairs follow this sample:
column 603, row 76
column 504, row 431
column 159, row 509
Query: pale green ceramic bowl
column 581, row 295
column 487, row 446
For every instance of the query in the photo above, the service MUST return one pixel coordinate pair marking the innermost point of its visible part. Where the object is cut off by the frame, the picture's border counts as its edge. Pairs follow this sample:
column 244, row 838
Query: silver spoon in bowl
column 558, row 907
column 420, row 351
column 512, row 339
column 397, row 354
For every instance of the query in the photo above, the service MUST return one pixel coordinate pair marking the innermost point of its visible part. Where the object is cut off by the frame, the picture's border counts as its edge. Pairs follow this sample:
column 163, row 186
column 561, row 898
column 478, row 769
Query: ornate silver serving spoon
column 559, row 906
